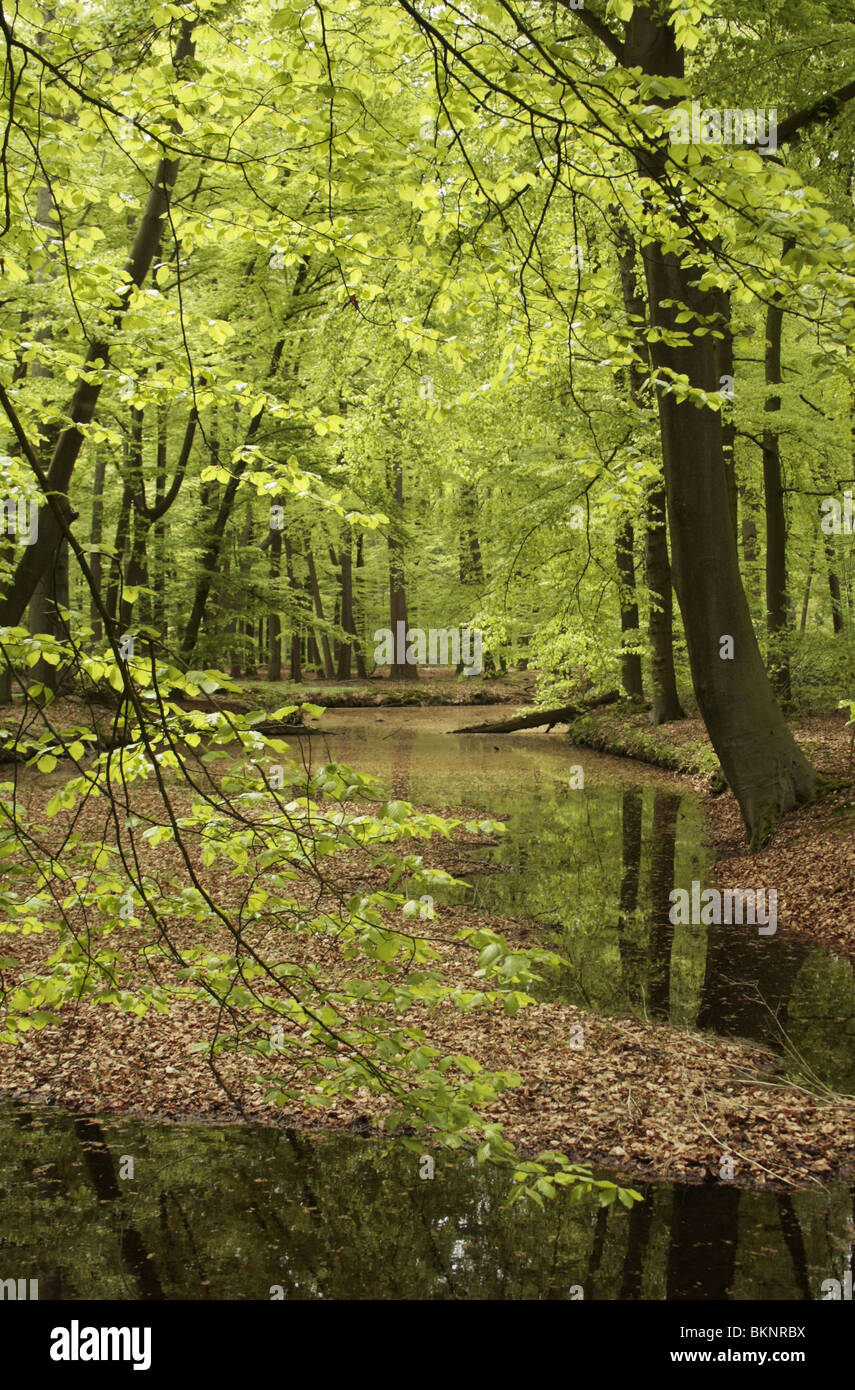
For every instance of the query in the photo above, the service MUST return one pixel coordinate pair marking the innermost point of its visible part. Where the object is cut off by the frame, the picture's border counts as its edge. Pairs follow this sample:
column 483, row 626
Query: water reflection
column 230, row 1213
column 233, row 1212
column 597, row 866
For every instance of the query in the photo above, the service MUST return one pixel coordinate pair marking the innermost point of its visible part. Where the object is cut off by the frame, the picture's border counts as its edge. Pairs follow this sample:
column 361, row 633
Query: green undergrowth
column 680, row 747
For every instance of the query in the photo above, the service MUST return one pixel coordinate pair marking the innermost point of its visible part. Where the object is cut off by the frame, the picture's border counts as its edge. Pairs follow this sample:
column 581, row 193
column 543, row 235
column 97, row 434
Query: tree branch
column 162, row 507
column 599, row 28
column 821, row 110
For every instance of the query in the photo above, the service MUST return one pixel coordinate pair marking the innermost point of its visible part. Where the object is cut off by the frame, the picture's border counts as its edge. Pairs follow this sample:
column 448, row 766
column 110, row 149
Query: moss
column 622, row 731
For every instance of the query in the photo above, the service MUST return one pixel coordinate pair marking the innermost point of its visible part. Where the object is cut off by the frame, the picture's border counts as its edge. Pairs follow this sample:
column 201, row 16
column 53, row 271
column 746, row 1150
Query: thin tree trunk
column 274, row 627
column 44, row 614
column 313, row 652
column 210, row 557
column 833, row 586
column 211, row 554
column 660, row 622
column 630, row 662
column 359, row 625
column 400, row 671
column 135, row 571
column 96, row 534
column 750, row 551
column 471, row 565
column 233, row 623
column 159, row 611
column 245, row 628
column 726, row 374
column 315, row 591
column 117, row 559
column 295, row 664
column 345, row 652
column 806, row 601
column 777, row 603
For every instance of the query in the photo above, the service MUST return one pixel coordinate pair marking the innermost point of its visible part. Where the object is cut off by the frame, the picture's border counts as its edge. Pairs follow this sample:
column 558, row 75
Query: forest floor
column 647, row 1099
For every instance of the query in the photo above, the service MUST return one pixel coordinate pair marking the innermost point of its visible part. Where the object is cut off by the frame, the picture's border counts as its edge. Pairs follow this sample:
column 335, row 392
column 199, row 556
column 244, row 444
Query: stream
column 252, row 1212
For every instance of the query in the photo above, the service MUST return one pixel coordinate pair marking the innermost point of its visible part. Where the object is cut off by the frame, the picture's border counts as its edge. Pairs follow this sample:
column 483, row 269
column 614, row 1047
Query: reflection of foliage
column 570, row 881
column 820, row 1014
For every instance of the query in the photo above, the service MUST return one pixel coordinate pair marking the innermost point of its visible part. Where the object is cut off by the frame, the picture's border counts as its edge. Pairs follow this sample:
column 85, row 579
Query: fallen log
column 275, row 727
column 563, row 714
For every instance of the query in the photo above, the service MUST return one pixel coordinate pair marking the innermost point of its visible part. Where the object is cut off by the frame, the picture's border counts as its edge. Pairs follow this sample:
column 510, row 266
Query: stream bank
column 811, row 861
column 674, row 1052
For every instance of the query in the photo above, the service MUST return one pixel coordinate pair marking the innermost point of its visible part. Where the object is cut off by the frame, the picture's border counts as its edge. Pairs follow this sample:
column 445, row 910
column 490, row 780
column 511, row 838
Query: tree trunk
column 117, row 559
column 210, row 557
column 345, row 652
column 159, row 617
column 96, row 533
column 560, row 714
column 245, row 627
column 726, row 376
column 211, row 554
column 232, row 628
column 274, row 645
column 750, row 552
column 317, row 601
column 806, row 601
column 295, row 661
column 759, row 756
column 359, row 626
column 833, row 586
column 471, row 566
column 630, row 662
column 44, row 615
column 137, row 573
column 136, row 568
column 660, row 622
column 666, row 704
column 400, row 671
column 777, row 604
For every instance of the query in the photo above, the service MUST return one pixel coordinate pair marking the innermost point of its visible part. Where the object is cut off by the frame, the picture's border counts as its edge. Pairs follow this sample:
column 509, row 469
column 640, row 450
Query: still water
column 216, row 1212
column 248, row 1212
